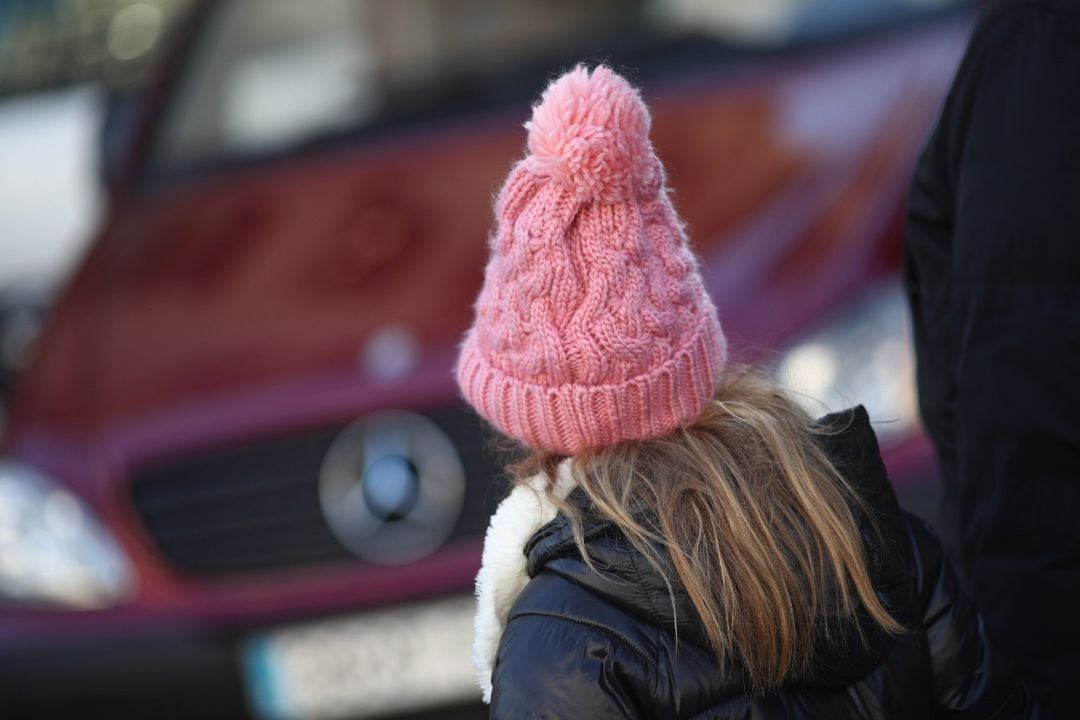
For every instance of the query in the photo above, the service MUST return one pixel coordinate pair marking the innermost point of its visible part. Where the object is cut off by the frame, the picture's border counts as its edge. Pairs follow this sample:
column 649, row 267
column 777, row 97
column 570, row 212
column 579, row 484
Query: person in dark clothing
column 682, row 540
column 992, row 260
column 584, row 644
column 618, row 643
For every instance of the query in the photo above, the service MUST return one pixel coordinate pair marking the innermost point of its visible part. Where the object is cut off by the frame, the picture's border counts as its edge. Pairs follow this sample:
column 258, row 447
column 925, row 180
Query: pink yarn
column 590, row 133
column 593, row 326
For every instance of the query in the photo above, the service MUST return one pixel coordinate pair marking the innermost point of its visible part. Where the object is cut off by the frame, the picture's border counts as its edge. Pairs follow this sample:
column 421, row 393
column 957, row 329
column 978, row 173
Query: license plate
column 391, row 661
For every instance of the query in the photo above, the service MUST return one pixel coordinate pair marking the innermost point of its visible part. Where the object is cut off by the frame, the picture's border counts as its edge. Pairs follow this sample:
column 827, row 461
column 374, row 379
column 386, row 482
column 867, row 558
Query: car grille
column 256, row 507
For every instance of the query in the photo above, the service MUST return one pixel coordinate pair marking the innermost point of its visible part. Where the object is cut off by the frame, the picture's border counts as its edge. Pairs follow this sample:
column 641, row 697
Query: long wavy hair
column 756, row 521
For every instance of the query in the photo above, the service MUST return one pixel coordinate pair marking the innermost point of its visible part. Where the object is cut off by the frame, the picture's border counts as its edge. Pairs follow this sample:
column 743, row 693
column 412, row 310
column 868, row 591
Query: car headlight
column 861, row 356
column 52, row 548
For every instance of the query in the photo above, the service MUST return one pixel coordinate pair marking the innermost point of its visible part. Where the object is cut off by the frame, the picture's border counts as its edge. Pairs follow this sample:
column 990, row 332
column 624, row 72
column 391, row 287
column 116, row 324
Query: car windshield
column 269, row 76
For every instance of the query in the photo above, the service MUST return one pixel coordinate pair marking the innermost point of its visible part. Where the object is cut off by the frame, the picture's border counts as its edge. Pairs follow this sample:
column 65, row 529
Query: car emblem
column 391, row 487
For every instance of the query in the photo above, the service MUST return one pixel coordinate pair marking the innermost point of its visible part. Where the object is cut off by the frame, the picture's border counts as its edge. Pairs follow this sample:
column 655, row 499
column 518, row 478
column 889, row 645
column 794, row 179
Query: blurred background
column 239, row 242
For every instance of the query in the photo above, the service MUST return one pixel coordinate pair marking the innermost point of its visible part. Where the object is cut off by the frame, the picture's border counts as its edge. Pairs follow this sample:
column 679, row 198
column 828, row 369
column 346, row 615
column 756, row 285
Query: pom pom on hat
column 593, row 326
column 590, row 133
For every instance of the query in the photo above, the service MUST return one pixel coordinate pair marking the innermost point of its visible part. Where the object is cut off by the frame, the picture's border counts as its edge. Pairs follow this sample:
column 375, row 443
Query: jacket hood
column 626, row 579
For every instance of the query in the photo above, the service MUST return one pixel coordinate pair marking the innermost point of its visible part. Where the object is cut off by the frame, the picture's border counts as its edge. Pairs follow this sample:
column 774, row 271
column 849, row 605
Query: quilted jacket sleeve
column 551, row 667
column 970, row 679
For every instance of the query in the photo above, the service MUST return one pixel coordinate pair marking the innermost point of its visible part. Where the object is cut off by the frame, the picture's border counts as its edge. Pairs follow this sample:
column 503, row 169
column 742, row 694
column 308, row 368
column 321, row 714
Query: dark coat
column 579, row 644
column 992, row 260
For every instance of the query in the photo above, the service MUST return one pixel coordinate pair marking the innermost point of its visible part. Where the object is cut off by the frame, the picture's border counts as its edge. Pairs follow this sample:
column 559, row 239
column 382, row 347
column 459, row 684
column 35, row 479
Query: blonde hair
column 756, row 521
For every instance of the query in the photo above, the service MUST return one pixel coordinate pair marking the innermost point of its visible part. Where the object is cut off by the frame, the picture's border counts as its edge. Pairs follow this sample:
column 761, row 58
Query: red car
column 238, row 477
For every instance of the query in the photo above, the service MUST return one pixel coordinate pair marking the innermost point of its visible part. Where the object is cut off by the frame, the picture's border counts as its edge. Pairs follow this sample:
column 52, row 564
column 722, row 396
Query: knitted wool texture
column 592, row 326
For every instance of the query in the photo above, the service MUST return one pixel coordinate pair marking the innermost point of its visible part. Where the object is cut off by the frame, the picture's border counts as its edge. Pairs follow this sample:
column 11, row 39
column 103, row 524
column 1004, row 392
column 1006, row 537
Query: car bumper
column 316, row 667
column 162, row 677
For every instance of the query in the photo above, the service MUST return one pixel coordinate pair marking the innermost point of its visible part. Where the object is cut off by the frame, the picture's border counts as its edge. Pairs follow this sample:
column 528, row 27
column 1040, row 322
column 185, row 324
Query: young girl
column 683, row 541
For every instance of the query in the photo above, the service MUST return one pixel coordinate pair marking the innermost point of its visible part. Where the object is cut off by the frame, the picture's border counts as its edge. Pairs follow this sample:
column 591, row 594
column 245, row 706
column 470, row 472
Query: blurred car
column 50, row 206
column 23, row 309
column 238, row 478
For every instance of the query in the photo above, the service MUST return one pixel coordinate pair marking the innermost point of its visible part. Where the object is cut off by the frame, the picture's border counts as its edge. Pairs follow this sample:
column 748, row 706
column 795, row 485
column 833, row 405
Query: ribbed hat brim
column 569, row 418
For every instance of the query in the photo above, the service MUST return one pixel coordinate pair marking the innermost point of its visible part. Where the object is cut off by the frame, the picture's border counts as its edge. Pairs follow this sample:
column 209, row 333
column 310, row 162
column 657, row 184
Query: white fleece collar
column 503, row 573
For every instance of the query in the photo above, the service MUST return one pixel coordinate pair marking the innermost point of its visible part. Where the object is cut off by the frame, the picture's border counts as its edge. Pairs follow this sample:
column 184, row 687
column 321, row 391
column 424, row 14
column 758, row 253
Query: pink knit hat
column 592, row 326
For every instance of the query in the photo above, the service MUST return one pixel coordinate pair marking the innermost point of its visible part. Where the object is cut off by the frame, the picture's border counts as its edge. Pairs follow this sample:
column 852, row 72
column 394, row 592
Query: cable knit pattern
column 593, row 325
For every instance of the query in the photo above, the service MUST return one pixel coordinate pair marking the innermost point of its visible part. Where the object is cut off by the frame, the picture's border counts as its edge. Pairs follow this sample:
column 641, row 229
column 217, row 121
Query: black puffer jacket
column 579, row 644
column 992, row 264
